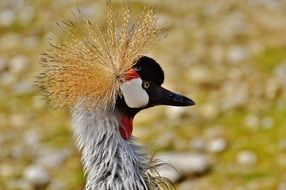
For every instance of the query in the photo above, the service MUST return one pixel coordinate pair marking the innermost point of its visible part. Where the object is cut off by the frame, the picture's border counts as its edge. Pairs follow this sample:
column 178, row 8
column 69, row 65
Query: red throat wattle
column 126, row 127
column 126, row 122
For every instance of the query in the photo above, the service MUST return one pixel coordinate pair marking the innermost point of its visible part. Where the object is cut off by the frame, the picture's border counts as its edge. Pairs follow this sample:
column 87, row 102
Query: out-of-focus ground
column 228, row 55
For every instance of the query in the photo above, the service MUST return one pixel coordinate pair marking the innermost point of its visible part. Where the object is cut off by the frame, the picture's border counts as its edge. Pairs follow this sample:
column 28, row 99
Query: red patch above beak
column 131, row 74
column 126, row 127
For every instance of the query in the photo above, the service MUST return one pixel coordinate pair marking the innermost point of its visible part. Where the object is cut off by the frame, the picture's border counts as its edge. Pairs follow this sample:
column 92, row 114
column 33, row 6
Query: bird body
column 105, row 80
column 110, row 161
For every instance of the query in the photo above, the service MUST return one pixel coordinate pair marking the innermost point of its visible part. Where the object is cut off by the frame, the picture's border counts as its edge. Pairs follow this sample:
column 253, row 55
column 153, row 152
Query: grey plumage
column 110, row 162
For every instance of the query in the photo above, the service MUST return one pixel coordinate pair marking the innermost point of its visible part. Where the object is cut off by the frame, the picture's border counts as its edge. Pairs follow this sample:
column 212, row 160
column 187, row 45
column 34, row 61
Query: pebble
column 7, row 79
column 252, row 121
column 52, row 158
column 187, row 163
column 169, row 173
column 282, row 186
column 3, row 119
column 31, row 137
column 214, row 132
column 217, row 145
column 199, row 74
column 26, row 15
column 23, row 87
column 19, row 184
column 236, row 95
column 237, row 54
column 217, row 54
column 7, row 17
column 10, row 41
column 198, row 144
column 2, row 139
column 271, row 88
column 31, row 41
column 174, row 112
column 18, row 64
column 17, row 151
column 17, row 119
column 37, row 175
column 188, row 185
column 282, row 144
column 38, row 102
column 280, row 73
column 3, row 63
column 7, row 170
column 247, row 158
column 209, row 111
column 267, row 123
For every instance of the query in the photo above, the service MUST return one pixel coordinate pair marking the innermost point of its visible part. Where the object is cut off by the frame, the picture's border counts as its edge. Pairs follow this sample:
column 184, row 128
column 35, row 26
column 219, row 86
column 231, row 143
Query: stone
column 169, row 173
column 282, row 186
column 7, row 79
column 282, row 144
column 271, row 88
column 23, row 87
column 246, row 157
column 174, row 112
column 252, row 121
column 31, row 137
column 52, row 158
column 10, row 41
column 7, row 171
column 26, row 15
column 3, row 63
column 17, row 151
column 31, row 42
column 214, row 132
column 37, row 175
column 187, row 163
column 209, row 111
column 280, row 73
column 38, row 102
column 237, row 54
column 188, row 185
column 198, row 144
column 235, row 96
column 18, row 64
column 216, row 145
column 199, row 74
column 267, row 123
column 3, row 119
column 7, row 17
column 19, row 184
column 17, row 120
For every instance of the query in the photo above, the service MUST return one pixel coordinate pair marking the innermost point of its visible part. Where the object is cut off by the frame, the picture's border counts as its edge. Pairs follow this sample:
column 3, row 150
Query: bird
column 104, row 77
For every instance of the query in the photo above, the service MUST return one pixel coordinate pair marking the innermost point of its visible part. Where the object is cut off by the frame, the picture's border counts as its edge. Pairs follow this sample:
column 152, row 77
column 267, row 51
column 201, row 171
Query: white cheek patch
column 134, row 95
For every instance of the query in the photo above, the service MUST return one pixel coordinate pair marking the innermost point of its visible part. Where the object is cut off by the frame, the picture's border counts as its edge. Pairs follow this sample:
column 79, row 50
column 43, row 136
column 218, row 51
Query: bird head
column 94, row 70
column 142, row 89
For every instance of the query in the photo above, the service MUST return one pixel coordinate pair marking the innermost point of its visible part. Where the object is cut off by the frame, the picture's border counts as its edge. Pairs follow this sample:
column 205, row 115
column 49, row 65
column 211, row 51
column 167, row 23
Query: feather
column 88, row 64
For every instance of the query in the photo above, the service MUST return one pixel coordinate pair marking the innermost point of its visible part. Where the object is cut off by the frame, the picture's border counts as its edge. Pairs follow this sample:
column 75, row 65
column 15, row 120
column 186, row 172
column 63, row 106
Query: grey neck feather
column 109, row 161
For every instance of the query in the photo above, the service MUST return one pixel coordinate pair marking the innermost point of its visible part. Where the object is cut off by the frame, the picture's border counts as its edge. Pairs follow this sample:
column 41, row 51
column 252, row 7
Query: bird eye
column 146, row 84
column 137, row 68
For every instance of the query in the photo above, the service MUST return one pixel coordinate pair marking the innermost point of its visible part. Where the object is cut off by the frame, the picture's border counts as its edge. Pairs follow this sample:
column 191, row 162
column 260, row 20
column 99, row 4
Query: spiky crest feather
column 89, row 65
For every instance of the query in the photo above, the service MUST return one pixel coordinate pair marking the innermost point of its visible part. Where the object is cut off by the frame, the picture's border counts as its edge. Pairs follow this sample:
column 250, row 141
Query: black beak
column 161, row 96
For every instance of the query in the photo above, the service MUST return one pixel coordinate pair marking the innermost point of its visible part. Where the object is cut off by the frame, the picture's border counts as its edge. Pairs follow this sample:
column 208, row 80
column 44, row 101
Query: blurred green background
column 227, row 55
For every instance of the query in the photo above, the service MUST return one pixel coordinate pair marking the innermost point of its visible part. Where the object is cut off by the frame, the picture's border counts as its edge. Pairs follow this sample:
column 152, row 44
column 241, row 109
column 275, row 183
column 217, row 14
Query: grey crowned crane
column 104, row 80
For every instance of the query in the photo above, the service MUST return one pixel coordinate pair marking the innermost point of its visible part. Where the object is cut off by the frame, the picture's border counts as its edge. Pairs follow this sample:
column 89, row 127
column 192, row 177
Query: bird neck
column 110, row 161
